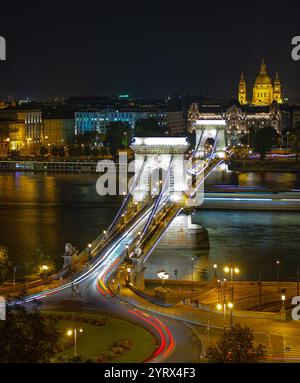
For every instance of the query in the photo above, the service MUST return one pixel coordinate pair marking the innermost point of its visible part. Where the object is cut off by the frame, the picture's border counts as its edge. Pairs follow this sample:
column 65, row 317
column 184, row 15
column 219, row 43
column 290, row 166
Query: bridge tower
column 155, row 154
column 207, row 131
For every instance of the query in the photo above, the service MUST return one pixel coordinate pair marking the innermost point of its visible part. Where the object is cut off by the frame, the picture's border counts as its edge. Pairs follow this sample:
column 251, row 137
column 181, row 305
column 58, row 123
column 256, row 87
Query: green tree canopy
column 263, row 140
column 294, row 140
column 235, row 346
column 27, row 336
column 39, row 263
column 93, row 138
column 149, row 127
column 5, row 263
column 118, row 136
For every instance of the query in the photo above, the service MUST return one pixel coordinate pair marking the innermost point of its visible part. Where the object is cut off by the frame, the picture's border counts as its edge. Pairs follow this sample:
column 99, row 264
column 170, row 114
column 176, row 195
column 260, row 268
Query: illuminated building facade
column 239, row 120
column 92, row 120
column 25, row 129
column 265, row 92
column 58, row 131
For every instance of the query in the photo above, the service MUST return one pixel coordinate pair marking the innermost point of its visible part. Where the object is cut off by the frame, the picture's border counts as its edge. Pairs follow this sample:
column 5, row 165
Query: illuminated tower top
column 277, row 89
column 242, row 90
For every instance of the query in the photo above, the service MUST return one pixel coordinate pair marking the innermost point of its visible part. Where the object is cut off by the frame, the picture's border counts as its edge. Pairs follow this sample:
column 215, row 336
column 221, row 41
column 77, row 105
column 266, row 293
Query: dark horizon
column 145, row 50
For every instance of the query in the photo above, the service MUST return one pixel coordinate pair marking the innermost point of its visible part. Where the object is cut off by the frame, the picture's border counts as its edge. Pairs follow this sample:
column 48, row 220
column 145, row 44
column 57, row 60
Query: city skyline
column 147, row 51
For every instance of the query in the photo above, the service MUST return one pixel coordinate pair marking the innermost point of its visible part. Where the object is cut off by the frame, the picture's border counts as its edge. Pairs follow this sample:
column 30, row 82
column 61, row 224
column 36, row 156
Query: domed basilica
column 265, row 92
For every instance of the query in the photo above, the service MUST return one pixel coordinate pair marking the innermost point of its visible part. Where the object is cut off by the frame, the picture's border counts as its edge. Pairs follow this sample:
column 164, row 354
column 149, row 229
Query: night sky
column 145, row 48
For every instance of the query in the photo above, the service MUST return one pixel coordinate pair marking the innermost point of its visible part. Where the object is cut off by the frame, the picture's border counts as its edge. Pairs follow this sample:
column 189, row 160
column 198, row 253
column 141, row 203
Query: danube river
column 45, row 211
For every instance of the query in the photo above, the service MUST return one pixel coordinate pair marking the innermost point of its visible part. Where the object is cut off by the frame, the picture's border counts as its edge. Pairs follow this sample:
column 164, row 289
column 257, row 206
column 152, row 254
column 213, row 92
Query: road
column 90, row 292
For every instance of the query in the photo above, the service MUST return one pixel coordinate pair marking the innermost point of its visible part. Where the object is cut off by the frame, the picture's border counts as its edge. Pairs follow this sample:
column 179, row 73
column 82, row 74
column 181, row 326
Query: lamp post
column 215, row 277
column 14, row 277
column 127, row 250
column 230, row 306
column 232, row 270
column 192, row 275
column 128, row 273
column 176, row 286
column 163, row 275
column 223, row 306
column 90, row 253
column 74, row 332
column 298, row 279
column 278, row 271
column 282, row 311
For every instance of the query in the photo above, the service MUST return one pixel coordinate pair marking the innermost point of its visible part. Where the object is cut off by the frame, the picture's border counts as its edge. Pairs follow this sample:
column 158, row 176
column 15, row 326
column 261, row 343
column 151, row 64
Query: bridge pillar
column 183, row 234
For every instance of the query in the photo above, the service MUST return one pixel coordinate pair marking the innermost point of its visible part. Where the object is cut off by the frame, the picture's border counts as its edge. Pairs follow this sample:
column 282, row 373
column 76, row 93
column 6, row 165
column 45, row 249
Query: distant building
column 239, row 120
column 58, row 131
column 93, row 120
column 176, row 123
column 265, row 92
column 25, row 128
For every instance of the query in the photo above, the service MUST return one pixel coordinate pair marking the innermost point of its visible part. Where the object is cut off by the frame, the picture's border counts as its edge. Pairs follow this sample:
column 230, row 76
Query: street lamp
column 223, row 307
column 230, row 306
column 163, row 275
column 192, row 275
column 70, row 333
column 232, row 270
column 176, row 277
column 215, row 277
column 278, row 271
column 14, row 278
column 283, row 298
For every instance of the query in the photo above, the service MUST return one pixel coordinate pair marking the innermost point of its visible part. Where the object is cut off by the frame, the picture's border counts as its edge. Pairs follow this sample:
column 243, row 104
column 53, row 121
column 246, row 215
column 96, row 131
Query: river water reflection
column 47, row 210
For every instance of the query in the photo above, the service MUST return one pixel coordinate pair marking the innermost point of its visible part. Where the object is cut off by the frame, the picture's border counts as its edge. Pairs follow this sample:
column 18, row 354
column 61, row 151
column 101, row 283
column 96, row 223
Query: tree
column 93, row 138
column 263, row 140
column 43, row 151
column 118, row 136
column 295, row 139
column 5, row 263
column 149, row 127
column 39, row 263
column 27, row 336
column 235, row 346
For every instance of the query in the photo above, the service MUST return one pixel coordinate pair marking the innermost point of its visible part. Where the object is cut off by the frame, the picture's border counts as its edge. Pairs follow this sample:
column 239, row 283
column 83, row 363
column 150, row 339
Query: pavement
column 281, row 338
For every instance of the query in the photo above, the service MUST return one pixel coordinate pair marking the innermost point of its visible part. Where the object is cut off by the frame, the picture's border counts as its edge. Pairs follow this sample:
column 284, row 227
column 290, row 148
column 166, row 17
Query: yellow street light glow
column 230, row 305
column 236, row 270
column 128, row 269
column 277, row 262
column 104, row 232
column 215, row 266
column 89, row 245
column 80, row 330
column 219, row 306
column 226, row 269
column 283, row 298
column 69, row 332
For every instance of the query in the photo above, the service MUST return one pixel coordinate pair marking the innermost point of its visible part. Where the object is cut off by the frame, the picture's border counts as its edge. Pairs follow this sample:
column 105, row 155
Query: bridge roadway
column 94, row 293
column 92, row 283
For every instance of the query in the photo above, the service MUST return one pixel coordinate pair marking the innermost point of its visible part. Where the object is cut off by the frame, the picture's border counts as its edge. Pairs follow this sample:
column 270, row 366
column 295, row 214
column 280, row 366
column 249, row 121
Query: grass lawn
column 95, row 340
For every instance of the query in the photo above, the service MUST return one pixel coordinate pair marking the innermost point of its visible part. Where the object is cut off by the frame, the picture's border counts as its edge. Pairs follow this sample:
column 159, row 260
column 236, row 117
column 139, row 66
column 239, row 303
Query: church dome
column 263, row 78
